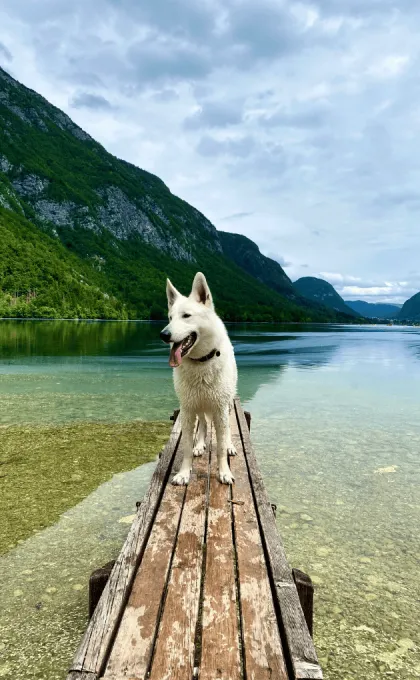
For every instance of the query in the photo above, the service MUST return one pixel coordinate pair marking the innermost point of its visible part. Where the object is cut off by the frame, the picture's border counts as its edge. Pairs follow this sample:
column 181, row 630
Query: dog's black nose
column 165, row 335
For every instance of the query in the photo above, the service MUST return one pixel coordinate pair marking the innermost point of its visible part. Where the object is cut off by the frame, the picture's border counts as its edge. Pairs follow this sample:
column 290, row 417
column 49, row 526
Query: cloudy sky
column 295, row 123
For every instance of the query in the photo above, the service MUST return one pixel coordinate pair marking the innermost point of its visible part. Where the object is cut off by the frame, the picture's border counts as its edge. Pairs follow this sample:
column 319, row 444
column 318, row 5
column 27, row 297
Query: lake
column 336, row 428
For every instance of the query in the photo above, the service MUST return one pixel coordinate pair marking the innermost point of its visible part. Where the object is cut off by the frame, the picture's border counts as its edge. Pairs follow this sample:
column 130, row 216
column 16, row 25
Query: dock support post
column 305, row 589
column 97, row 583
column 99, row 578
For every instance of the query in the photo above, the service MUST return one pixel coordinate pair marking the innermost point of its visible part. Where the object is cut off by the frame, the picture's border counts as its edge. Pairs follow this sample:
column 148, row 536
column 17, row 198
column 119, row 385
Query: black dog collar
column 208, row 356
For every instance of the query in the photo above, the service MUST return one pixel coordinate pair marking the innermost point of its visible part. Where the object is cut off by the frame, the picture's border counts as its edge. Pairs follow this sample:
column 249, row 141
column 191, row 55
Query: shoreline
column 227, row 323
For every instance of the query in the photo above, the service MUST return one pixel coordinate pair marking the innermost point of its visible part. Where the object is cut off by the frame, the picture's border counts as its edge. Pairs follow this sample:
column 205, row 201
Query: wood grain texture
column 132, row 650
column 220, row 657
column 95, row 646
column 297, row 637
column 263, row 652
column 174, row 651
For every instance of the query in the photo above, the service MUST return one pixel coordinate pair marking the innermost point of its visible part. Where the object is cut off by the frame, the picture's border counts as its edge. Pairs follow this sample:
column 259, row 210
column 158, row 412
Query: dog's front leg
column 200, row 444
column 221, row 423
column 188, row 423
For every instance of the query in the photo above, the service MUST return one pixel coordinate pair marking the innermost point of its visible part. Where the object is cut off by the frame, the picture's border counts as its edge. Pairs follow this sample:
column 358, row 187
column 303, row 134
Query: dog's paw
column 181, row 479
column 226, row 477
column 231, row 451
column 199, row 449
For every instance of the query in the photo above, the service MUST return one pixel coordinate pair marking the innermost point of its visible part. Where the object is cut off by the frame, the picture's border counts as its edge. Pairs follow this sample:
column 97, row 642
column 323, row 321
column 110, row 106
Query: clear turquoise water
column 337, row 434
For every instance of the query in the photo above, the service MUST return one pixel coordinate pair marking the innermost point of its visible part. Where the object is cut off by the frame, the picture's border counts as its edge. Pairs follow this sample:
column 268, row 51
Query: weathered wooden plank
column 174, row 650
column 220, row 657
column 81, row 675
column 95, row 646
column 263, row 652
column 299, row 642
column 132, row 650
column 305, row 591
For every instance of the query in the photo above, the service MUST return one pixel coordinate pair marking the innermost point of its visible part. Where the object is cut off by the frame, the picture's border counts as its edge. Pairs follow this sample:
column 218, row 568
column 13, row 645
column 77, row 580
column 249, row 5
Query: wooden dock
column 202, row 587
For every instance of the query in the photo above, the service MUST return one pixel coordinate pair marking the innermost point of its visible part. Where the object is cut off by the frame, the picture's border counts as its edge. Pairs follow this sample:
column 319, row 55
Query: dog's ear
column 200, row 291
column 171, row 293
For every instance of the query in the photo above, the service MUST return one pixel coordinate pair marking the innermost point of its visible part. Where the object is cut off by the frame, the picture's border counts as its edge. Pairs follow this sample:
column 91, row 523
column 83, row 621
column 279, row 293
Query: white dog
column 205, row 374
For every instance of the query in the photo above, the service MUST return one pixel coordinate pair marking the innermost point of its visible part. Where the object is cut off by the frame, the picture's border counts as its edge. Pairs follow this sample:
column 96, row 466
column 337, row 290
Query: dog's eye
column 186, row 316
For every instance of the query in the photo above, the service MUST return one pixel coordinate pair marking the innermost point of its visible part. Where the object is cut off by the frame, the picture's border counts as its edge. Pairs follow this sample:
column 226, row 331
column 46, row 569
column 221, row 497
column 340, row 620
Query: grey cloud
column 242, row 148
column 5, row 53
column 263, row 30
column 87, row 79
column 90, row 101
column 397, row 198
column 215, row 115
column 184, row 39
column 360, row 8
column 160, row 61
column 166, row 95
column 51, row 15
column 182, row 18
column 269, row 162
column 312, row 118
column 236, row 216
column 178, row 17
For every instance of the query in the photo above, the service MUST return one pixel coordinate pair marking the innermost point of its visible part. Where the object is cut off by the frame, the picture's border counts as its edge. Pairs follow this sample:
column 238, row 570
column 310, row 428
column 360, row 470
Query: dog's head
column 191, row 319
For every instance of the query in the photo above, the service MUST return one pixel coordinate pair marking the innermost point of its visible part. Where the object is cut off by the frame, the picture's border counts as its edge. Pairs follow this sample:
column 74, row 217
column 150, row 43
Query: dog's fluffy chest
column 197, row 378
column 208, row 384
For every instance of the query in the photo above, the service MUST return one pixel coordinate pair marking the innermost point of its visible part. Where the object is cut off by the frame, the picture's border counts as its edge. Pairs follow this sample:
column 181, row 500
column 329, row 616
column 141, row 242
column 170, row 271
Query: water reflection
column 58, row 371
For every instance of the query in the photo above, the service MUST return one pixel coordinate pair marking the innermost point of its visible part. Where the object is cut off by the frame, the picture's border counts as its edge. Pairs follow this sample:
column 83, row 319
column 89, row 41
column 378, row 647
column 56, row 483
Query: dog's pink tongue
column 175, row 358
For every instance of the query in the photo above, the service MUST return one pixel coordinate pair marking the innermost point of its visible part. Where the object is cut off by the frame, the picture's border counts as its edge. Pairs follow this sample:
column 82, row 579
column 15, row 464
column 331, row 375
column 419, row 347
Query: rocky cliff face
column 246, row 254
column 115, row 195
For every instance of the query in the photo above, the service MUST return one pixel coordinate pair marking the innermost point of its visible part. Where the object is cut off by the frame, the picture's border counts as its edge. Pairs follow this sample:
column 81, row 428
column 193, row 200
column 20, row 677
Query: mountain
column 84, row 234
column 323, row 292
column 246, row 254
column 374, row 310
column 410, row 310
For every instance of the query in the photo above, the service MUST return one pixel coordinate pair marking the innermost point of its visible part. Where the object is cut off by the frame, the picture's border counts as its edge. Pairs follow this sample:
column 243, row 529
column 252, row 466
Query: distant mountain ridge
column 318, row 290
column 374, row 310
column 410, row 310
column 85, row 234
